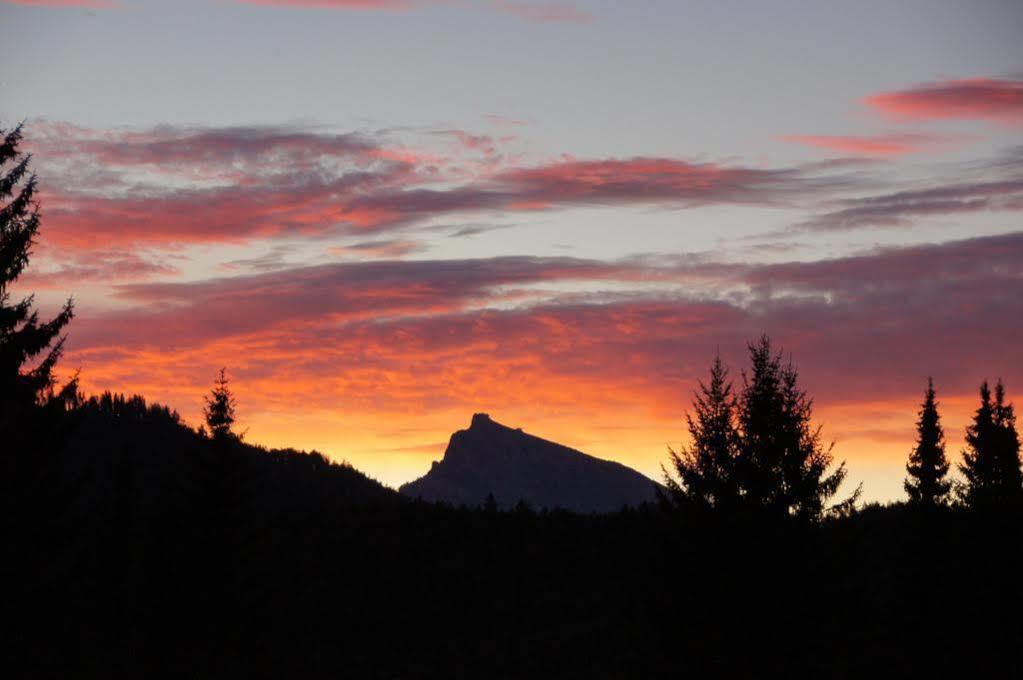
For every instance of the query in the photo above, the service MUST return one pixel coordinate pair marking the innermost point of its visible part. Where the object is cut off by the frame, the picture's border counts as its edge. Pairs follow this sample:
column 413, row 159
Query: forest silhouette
column 137, row 546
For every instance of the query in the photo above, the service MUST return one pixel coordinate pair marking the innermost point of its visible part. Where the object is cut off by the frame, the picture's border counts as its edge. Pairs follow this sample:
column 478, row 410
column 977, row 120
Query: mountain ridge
column 491, row 458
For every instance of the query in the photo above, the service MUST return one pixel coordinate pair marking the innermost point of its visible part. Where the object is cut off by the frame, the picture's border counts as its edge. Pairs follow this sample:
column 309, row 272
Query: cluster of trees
column 991, row 465
column 757, row 450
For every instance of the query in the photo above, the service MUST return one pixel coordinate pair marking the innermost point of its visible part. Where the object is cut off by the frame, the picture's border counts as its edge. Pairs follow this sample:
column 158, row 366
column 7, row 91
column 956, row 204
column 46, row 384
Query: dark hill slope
column 492, row 458
column 143, row 454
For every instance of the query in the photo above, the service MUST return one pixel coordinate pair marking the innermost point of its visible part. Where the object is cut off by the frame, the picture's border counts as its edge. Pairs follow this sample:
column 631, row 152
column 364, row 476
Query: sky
column 383, row 216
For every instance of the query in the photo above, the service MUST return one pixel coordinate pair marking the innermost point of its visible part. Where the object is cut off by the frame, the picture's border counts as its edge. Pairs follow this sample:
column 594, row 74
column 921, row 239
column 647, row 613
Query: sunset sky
column 384, row 215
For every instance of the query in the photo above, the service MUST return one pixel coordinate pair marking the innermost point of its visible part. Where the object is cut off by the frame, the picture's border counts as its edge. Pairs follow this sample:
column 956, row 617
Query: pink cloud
column 876, row 145
column 175, row 186
column 970, row 99
column 859, row 327
column 62, row 269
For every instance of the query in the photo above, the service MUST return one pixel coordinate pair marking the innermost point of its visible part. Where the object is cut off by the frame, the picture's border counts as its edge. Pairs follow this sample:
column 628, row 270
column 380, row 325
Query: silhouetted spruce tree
column 24, row 388
column 928, row 466
column 706, row 468
column 781, row 464
column 30, row 404
column 221, row 463
column 978, row 466
column 227, row 515
column 220, row 410
column 991, row 463
column 1010, row 467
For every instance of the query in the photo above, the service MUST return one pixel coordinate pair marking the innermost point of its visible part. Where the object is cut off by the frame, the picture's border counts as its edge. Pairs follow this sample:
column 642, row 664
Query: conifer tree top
column 220, row 409
column 29, row 347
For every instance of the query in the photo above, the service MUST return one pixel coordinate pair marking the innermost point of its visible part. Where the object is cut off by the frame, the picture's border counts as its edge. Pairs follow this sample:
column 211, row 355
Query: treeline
column 756, row 450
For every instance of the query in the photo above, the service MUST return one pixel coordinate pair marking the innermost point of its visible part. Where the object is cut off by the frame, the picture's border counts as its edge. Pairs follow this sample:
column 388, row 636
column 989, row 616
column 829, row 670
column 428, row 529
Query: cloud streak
column 171, row 186
column 884, row 296
column 899, row 209
column 876, row 145
column 968, row 99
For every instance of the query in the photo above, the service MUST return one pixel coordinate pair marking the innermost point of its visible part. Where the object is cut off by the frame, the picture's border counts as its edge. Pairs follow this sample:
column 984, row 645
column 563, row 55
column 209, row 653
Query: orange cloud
column 368, row 361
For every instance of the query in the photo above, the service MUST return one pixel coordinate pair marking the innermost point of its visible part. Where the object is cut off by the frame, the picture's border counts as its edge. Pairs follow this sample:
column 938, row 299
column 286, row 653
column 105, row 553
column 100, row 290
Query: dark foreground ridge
column 491, row 458
column 148, row 550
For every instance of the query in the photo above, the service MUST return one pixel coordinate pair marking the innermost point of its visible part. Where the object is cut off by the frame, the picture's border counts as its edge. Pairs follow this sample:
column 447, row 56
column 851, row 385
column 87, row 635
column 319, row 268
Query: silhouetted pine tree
column 31, row 407
column 40, row 518
column 781, row 464
column 928, row 466
column 991, row 463
column 706, row 468
column 226, row 513
column 26, row 390
column 1009, row 463
column 220, row 410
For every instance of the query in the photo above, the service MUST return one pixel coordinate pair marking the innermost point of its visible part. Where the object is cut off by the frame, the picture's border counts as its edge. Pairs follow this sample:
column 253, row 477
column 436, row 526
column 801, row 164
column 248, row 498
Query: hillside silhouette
column 117, row 439
column 147, row 558
column 491, row 459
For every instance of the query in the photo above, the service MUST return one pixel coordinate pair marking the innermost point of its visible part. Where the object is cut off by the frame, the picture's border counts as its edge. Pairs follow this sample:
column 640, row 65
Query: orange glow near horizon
column 391, row 432
column 369, row 290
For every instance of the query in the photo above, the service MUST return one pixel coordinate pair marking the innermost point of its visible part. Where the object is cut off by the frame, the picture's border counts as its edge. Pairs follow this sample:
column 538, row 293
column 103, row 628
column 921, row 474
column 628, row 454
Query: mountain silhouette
column 491, row 458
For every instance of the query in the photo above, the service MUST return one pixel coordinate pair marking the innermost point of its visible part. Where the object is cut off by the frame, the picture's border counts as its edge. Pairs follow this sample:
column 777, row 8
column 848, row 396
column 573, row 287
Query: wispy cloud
column 106, row 266
column 898, row 209
column 175, row 186
column 969, row 99
column 878, row 145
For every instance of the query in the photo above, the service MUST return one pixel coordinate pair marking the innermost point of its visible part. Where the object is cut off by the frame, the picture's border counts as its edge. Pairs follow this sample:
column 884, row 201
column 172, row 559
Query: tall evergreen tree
column 706, row 468
column 1009, row 463
column 991, row 463
column 30, row 403
column 29, row 348
column 781, row 464
column 928, row 465
column 220, row 409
